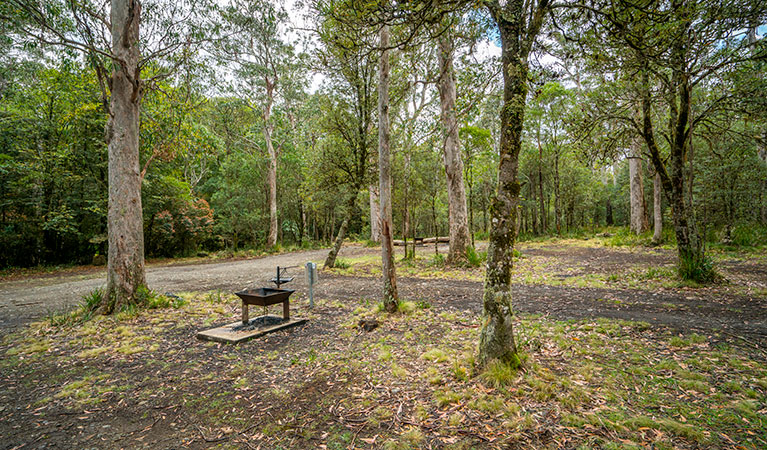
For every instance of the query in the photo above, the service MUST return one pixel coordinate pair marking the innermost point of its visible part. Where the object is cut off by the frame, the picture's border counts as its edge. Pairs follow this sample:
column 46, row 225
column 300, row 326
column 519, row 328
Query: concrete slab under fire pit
column 236, row 332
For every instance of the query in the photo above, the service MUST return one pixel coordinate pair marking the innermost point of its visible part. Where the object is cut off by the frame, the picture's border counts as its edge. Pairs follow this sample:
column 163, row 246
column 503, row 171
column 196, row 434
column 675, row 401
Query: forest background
column 253, row 67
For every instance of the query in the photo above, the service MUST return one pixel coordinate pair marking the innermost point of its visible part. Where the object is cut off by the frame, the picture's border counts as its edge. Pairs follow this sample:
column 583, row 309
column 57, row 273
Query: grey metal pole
column 310, row 271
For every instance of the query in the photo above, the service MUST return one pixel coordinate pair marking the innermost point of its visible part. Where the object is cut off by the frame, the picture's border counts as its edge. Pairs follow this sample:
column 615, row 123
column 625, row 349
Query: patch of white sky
column 298, row 32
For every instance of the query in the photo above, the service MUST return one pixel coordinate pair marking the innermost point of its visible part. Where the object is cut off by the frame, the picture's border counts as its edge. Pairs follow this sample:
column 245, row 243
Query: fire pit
column 249, row 328
column 265, row 297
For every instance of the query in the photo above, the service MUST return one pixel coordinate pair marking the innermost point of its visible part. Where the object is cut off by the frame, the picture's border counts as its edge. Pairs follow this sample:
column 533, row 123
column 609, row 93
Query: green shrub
column 422, row 304
column 624, row 237
column 745, row 235
column 482, row 235
column 475, row 258
column 438, row 260
column 89, row 304
column 342, row 264
column 149, row 299
column 92, row 300
column 697, row 268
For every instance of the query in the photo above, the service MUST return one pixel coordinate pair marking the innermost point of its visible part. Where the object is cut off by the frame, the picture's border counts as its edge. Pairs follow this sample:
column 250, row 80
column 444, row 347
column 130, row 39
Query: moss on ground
column 411, row 382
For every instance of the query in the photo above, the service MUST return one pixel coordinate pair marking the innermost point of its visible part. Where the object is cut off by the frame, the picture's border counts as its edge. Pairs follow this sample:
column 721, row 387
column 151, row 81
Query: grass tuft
column 498, row 374
column 342, row 264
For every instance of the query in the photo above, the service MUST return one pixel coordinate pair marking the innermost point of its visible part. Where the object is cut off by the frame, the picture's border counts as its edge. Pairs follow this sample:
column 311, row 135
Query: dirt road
column 24, row 300
column 683, row 310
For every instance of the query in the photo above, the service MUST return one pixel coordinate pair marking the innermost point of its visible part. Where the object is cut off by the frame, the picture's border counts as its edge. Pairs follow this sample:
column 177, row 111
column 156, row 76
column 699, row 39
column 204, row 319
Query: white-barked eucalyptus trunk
column 390, row 298
column 456, row 194
column 125, row 267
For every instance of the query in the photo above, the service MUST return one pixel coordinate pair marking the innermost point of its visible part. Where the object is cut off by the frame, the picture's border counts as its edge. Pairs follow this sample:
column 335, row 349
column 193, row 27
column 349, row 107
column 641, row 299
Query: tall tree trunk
column 523, row 220
column 762, row 210
column 484, row 214
column 763, row 202
column 657, row 235
column 557, row 204
column 405, row 202
column 304, row 227
column 689, row 242
column 315, row 228
column 639, row 222
column 330, row 261
column 390, row 298
column 434, row 223
column 470, row 184
column 456, row 195
column 125, row 269
column 609, row 213
column 471, row 214
column 271, row 175
column 375, row 214
column 541, row 204
column 533, row 210
column 413, row 228
column 496, row 336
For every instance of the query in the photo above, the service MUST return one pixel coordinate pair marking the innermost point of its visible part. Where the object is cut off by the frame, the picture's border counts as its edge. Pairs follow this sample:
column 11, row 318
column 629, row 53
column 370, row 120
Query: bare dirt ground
column 147, row 382
column 27, row 299
column 733, row 313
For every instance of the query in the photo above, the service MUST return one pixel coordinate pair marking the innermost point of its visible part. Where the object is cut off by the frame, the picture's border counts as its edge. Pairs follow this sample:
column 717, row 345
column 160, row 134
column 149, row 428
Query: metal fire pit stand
column 281, row 277
column 264, row 298
column 235, row 332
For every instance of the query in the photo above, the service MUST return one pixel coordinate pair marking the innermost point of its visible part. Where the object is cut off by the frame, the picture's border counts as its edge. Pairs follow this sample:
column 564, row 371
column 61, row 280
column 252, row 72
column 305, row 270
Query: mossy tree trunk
column 518, row 32
column 692, row 261
column 557, row 201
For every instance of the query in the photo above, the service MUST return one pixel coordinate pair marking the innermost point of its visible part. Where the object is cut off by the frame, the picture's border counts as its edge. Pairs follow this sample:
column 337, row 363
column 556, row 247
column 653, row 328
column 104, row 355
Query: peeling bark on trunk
column 375, row 215
column 271, row 175
column 496, row 336
column 390, row 298
column 639, row 222
column 125, row 269
column 456, row 194
column 657, row 235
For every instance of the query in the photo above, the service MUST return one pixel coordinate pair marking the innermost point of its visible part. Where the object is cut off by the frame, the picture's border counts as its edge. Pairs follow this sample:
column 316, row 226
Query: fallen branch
column 223, row 437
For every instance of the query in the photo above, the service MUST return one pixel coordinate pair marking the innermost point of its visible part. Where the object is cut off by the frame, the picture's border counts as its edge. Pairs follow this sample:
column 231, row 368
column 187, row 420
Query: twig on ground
column 211, row 440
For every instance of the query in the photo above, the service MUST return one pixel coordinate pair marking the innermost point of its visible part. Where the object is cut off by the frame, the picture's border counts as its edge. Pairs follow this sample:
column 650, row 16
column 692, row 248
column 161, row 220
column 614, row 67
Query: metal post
column 311, row 295
column 311, row 274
